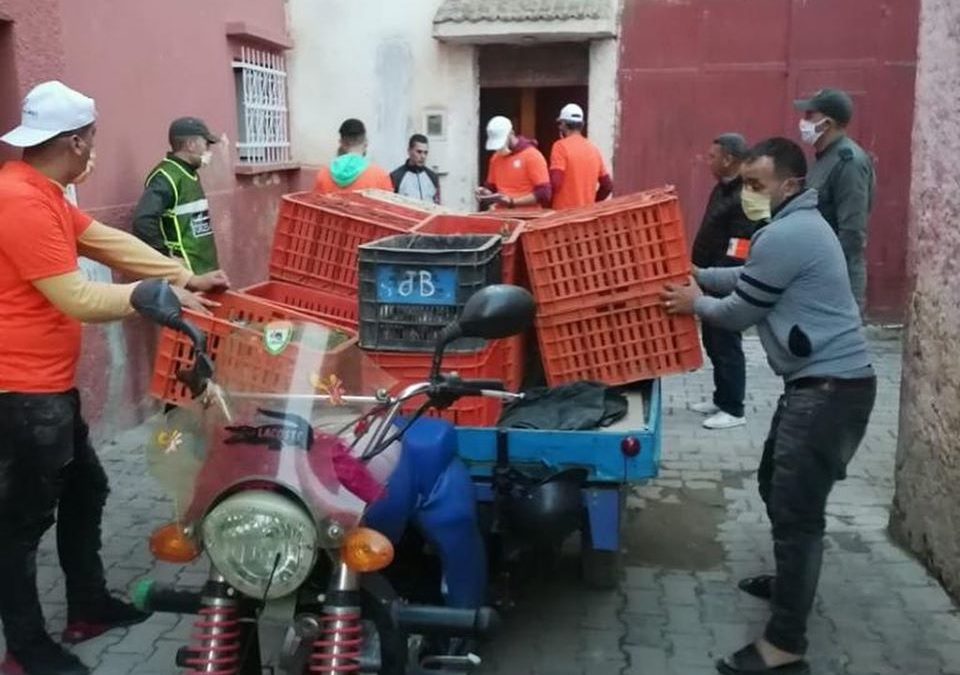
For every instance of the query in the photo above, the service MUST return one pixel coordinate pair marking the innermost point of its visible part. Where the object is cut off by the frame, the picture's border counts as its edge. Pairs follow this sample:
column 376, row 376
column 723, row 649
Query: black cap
column 190, row 126
column 833, row 103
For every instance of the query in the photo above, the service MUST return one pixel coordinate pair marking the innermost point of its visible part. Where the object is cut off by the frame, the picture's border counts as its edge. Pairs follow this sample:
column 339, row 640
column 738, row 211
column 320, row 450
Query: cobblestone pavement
column 690, row 535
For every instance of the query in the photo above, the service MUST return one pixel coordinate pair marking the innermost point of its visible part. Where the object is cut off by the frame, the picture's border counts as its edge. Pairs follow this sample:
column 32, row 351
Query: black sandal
column 759, row 586
column 748, row 661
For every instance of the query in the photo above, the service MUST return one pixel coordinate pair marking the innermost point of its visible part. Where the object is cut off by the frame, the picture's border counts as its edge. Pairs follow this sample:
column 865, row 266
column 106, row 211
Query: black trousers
column 48, row 472
column 725, row 350
column 815, row 432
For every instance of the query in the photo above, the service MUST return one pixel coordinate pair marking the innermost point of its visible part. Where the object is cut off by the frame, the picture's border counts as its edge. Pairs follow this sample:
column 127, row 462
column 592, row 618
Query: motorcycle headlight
column 258, row 539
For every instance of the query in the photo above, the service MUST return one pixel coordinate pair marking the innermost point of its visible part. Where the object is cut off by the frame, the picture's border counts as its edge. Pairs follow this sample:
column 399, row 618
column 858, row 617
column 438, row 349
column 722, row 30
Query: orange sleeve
column 558, row 157
column 37, row 241
column 537, row 168
column 602, row 164
column 122, row 251
column 85, row 300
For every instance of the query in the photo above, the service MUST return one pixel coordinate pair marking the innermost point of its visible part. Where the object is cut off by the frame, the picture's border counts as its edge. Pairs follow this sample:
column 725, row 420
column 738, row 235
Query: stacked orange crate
column 399, row 334
column 317, row 236
column 513, row 271
column 596, row 273
column 387, row 203
column 235, row 342
column 327, row 307
column 313, row 260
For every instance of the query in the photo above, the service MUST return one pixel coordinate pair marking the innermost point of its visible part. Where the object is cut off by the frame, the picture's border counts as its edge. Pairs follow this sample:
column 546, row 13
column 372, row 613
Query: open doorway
column 533, row 111
column 530, row 85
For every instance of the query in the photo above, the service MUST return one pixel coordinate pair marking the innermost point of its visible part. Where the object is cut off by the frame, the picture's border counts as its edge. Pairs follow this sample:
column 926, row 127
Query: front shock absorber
column 216, row 639
column 340, row 644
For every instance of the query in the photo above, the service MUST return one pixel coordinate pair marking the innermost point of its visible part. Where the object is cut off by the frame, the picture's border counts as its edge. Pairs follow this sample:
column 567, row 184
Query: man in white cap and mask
column 577, row 172
column 48, row 468
column 518, row 175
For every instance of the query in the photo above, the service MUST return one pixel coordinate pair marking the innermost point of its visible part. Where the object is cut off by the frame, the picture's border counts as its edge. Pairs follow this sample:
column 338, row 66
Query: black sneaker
column 89, row 621
column 45, row 657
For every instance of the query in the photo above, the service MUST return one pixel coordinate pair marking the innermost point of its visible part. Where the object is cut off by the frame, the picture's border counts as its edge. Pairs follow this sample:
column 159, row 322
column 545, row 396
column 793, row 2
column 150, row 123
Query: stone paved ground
column 690, row 535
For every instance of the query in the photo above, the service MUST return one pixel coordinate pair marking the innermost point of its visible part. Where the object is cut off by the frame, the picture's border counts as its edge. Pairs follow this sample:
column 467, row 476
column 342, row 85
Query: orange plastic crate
column 628, row 245
column 524, row 213
column 316, row 238
column 617, row 341
column 485, row 224
column 387, row 202
column 326, row 306
column 489, row 363
column 245, row 363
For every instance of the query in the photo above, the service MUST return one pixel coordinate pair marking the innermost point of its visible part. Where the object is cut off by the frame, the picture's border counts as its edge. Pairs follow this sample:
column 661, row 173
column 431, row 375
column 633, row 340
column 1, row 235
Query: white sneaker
column 704, row 408
column 723, row 420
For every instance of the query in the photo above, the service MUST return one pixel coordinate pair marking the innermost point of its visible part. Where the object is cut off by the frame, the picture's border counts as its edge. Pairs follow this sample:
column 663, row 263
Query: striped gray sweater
column 794, row 287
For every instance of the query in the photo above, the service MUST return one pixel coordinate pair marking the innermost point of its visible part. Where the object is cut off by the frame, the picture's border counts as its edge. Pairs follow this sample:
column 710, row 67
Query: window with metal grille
column 261, row 78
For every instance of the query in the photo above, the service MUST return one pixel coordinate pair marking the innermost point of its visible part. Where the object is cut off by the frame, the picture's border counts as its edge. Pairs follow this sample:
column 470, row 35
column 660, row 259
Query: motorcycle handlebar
column 484, row 385
column 150, row 596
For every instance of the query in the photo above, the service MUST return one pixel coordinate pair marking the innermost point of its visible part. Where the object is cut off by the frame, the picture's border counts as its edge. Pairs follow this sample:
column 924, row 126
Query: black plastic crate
column 412, row 285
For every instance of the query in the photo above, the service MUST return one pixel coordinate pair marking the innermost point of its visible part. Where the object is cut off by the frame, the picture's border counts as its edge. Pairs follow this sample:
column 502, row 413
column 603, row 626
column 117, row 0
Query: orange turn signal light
column 171, row 544
column 366, row 550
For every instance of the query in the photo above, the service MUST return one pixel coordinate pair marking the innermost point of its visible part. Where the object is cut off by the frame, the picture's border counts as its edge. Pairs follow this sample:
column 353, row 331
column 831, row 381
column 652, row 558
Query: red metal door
column 691, row 69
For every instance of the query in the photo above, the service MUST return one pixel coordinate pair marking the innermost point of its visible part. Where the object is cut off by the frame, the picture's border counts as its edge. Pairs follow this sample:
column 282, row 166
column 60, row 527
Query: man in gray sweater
column 795, row 289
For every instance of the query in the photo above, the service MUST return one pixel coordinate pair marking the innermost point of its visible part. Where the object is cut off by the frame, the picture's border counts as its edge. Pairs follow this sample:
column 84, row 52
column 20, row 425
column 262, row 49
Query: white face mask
column 206, row 158
column 809, row 133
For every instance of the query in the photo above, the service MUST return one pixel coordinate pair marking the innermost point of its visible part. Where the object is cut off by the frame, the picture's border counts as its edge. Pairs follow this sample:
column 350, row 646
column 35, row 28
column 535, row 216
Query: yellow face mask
column 755, row 205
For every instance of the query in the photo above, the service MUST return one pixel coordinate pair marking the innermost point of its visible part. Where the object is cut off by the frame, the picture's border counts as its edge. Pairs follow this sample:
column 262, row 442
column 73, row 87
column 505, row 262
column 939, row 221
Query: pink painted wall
column 145, row 64
column 33, row 59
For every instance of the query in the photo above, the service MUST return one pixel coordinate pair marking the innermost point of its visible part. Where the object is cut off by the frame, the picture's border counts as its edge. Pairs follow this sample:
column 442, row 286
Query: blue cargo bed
column 599, row 451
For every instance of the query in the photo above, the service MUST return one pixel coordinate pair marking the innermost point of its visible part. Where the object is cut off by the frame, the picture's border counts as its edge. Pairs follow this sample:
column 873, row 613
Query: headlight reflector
column 249, row 534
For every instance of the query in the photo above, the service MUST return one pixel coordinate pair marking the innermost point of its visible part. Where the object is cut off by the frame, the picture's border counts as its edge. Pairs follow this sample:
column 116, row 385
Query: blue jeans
column 815, row 432
column 725, row 350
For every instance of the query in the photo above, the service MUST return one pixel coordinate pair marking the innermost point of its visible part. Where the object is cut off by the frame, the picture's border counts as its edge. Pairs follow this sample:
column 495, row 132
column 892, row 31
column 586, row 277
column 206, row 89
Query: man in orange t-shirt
column 518, row 174
column 577, row 172
column 351, row 170
column 48, row 467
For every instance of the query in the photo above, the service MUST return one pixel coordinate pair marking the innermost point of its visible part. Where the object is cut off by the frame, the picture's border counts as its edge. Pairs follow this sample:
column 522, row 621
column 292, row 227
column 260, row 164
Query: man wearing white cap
column 48, row 467
column 518, row 174
column 577, row 172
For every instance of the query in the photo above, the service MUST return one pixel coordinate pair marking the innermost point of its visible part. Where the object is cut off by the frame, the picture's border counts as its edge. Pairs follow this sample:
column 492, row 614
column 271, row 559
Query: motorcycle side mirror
column 155, row 300
column 492, row 313
column 496, row 312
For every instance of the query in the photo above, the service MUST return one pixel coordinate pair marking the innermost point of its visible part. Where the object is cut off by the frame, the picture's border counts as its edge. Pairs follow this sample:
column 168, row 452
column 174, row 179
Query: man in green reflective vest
column 173, row 215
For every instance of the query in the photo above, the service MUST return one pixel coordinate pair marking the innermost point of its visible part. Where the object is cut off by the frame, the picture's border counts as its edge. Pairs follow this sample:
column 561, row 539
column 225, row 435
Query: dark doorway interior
column 530, row 84
column 533, row 111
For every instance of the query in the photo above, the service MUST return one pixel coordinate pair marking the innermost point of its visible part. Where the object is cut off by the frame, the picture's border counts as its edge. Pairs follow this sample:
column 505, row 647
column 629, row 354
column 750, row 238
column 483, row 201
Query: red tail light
column 630, row 446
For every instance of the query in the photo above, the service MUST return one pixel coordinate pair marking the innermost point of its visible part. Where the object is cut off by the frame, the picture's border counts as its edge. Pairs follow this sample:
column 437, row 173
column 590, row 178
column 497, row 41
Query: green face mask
column 755, row 205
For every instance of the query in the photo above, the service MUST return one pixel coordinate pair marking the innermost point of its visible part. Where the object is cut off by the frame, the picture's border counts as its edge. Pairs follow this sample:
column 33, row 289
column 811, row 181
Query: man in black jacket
column 414, row 179
column 723, row 240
